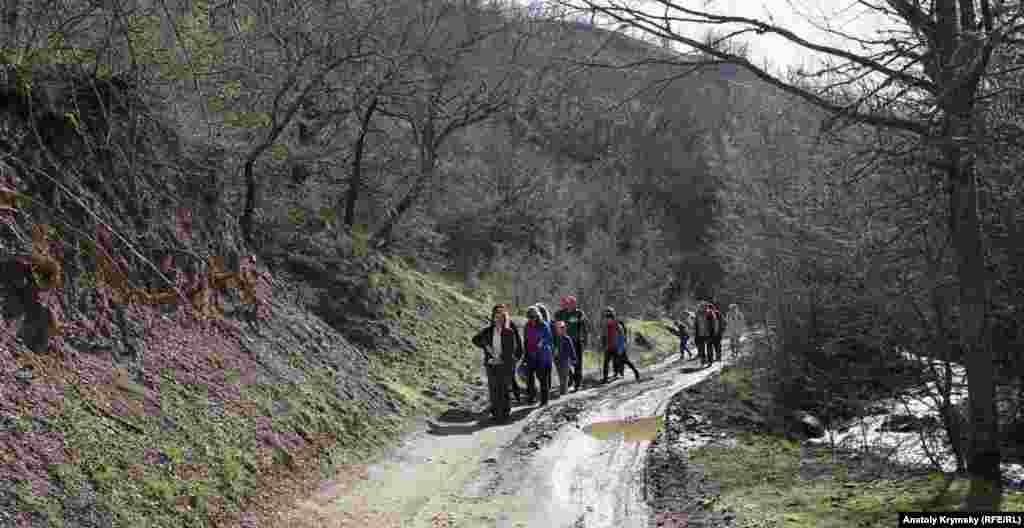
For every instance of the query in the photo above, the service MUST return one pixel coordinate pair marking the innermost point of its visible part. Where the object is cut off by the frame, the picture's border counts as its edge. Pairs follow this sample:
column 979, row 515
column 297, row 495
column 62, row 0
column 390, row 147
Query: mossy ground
column 439, row 317
column 770, row 481
column 182, row 456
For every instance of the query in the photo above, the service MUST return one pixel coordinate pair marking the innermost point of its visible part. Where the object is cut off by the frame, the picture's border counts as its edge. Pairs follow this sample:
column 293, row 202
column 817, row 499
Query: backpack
column 713, row 319
column 621, row 338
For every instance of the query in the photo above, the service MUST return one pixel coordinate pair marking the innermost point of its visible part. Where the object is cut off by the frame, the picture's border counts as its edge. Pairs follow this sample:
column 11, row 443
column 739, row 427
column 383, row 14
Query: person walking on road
column 614, row 342
column 718, row 332
column 565, row 357
column 704, row 328
column 502, row 348
column 545, row 316
column 538, row 343
column 578, row 329
column 736, row 324
column 681, row 332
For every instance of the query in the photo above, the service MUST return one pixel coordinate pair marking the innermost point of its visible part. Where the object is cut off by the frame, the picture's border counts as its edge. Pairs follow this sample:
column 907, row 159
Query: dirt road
column 543, row 469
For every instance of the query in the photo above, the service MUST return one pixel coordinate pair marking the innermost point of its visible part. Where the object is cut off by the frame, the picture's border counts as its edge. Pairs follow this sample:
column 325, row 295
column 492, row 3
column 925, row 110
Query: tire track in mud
column 541, row 470
column 563, row 477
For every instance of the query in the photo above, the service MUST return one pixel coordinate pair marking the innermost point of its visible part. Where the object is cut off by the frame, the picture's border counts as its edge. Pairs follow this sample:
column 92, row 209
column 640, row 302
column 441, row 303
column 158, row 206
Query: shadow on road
column 483, row 422
column 459, row 416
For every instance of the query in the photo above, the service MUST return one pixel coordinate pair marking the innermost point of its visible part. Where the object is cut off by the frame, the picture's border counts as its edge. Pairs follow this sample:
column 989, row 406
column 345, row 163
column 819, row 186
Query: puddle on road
column 630, row 429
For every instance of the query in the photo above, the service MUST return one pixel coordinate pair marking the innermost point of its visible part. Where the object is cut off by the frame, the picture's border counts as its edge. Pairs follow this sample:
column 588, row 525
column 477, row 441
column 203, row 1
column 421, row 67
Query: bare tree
column 316, row 48
column 454, row 84
column 925, row 78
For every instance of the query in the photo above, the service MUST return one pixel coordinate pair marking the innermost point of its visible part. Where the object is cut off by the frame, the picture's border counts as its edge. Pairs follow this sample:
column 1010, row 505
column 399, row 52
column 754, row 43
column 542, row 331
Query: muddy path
column 542, row 469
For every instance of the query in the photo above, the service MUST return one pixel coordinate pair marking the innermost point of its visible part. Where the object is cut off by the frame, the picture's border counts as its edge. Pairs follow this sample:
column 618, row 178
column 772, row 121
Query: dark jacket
column 511, row 344
column 703, row 328
column 576, row 322
column 679, row 331
column 565, row 352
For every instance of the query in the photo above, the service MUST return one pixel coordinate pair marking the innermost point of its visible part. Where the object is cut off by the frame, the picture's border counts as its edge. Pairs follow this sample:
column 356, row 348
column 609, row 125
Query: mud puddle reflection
column 632, row 429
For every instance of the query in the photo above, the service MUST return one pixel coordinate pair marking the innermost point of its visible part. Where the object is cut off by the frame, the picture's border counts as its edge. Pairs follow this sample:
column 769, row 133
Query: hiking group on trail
column 549, row 345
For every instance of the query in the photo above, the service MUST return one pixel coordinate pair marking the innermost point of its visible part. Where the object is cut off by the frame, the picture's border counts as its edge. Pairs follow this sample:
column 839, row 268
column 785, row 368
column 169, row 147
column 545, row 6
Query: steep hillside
column 153, row 374
column 216, row 419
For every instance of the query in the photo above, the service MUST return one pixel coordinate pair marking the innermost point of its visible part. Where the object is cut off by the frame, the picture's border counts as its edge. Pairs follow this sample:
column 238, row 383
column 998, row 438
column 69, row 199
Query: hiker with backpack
column 719, row 332
column 578, row 329
column 736, row 324
column 502, row 347
column 538, row 344
column 614, row 342
column 545, row 316
column 565, row 357
column 705, row 326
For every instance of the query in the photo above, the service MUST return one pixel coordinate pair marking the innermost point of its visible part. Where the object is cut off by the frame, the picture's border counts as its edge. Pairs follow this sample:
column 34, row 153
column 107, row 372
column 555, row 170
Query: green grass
column 665, row 344
column 760, row 481
column 739, row 382
column 213, row 467
column 440, row 316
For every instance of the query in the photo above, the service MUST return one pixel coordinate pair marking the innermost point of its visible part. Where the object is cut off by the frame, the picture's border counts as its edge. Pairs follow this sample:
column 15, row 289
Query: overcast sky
column 801, row 16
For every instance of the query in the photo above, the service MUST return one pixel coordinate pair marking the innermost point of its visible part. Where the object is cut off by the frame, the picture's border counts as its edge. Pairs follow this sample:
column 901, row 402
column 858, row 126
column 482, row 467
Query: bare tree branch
column 639, row 20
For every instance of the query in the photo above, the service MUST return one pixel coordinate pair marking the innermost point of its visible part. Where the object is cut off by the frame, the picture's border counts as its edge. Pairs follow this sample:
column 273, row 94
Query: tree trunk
column 983, row 458
column 10, row 23
column 961, row 60
column 428, row 163
column 356, row 177
column 428, row 144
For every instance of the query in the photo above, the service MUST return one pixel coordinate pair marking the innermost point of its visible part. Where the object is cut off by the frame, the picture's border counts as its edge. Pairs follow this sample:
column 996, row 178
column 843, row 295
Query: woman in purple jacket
column 537, row 344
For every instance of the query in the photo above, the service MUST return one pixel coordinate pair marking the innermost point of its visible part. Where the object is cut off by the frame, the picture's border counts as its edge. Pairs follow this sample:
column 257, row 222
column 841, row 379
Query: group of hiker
column 546, row 345
column 709, row 326
column 549, row 345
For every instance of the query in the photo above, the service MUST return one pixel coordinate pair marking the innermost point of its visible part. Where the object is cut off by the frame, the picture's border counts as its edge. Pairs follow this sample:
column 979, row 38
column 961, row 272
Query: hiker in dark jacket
column 537, row 344
column 614, row 342
column 578, row 329
column 703, row 330
column 565, row 357
column 502, row 348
